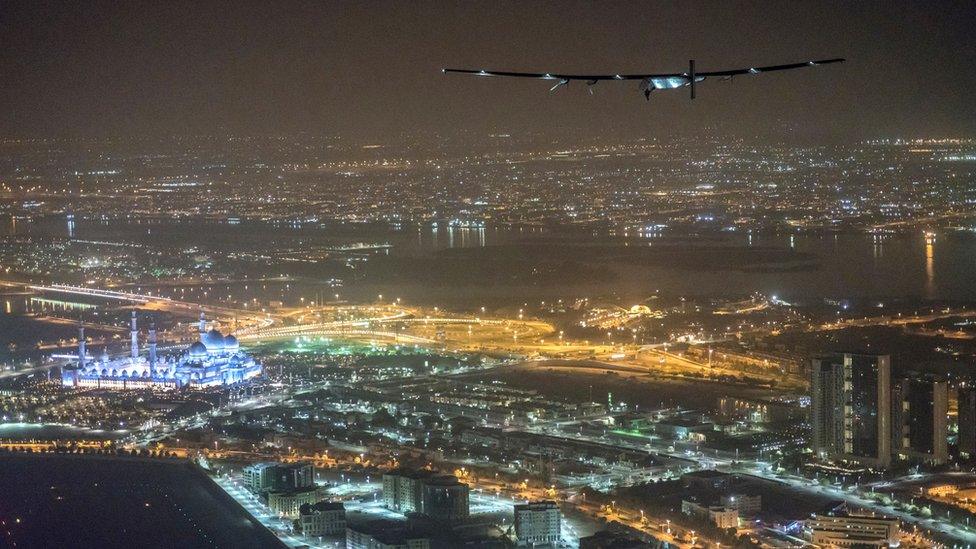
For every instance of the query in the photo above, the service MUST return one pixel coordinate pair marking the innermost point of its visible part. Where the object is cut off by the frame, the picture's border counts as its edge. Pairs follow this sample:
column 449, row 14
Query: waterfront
column 425, row 262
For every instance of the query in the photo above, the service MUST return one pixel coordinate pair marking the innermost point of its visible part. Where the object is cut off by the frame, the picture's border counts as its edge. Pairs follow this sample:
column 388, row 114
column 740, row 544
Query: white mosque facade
column 212, row 361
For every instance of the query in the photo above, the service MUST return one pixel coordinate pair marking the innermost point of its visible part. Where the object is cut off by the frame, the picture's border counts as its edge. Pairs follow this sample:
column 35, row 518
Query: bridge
column 96, row 292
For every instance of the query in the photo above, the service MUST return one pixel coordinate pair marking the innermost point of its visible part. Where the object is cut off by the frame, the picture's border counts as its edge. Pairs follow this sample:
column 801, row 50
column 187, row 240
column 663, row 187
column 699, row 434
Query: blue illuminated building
column 212, row 361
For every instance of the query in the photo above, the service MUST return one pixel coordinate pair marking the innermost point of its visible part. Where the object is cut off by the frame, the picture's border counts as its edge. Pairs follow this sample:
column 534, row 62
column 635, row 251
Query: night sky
column 370, row 70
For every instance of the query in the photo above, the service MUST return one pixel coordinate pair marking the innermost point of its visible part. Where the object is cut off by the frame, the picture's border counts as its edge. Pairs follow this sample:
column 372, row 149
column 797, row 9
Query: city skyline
column 270, row 279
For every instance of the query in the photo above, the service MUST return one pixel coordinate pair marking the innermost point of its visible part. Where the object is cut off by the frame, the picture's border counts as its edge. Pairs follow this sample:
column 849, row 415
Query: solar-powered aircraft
column 648, row 82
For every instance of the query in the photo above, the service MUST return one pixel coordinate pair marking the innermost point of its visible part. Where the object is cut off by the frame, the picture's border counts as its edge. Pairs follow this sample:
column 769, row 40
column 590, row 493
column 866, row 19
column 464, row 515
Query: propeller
column 563, row 82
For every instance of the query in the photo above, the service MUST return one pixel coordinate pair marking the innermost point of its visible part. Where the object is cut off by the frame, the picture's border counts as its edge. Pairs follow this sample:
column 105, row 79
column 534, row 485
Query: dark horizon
column 368, row 71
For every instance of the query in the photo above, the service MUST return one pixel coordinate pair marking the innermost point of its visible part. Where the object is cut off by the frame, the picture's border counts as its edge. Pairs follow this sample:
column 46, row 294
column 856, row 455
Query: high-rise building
column 967, row 421
column 538, row 524
column 827, row 405
column 256, row 477
column 437, row 496
column 919, row 429
column 278, row 477
column 445, row 499
column 851, row 407
column 293, row 476
column 402, row 490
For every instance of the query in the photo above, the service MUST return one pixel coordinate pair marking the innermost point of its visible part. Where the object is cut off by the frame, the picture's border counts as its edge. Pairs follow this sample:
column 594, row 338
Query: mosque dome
column 213, row 340
column 198, row 350
column 230, row 343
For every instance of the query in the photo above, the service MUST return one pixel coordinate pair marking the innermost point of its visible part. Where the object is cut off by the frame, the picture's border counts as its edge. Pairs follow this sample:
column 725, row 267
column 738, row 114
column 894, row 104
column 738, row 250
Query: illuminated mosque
column 212, row 361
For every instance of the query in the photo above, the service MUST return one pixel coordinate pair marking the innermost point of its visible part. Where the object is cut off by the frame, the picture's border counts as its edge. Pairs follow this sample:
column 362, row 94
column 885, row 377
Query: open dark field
column 580, row 384
column 69, row 501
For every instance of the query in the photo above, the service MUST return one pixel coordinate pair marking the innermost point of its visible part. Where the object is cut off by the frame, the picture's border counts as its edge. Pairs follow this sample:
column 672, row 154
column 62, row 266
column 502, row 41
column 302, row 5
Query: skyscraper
column 827, row 405
column 967, row 421
column 920, row 405
column 852, row 407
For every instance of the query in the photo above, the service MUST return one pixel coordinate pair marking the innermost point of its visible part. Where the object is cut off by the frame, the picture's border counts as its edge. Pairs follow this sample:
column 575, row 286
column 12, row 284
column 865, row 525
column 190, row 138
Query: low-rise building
column 681, row 428
column 747, row 505
column 605, row 539
column 722, row 517
column 942, row 490
column 325, row 518
column 707, row 479
column 385, row 538
column 289, row 503
column 853, row 531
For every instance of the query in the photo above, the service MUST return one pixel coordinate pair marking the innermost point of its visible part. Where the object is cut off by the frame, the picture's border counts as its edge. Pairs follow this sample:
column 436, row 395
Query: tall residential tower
column 852, row 408
column 919, row 424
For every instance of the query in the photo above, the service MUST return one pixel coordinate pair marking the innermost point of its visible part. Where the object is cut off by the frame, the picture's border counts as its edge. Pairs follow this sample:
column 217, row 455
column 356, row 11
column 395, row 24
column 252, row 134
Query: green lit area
column 333, row 346
column 630, row 433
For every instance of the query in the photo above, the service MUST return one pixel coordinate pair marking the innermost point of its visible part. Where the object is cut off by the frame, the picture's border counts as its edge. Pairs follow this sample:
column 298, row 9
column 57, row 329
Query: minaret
column 203, row 325
column 81, row 347
column 152, row 349
column 134, row 337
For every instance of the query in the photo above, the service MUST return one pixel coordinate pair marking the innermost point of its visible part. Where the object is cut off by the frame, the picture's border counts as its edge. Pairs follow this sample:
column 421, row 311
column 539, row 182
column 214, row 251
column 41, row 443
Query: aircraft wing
column 648, row 82
column 598, row 77
column 558, row 76
column 758, row 70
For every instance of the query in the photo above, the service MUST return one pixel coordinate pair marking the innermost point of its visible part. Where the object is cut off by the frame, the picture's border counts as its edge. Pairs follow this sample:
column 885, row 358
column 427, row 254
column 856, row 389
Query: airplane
column 648, row 82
